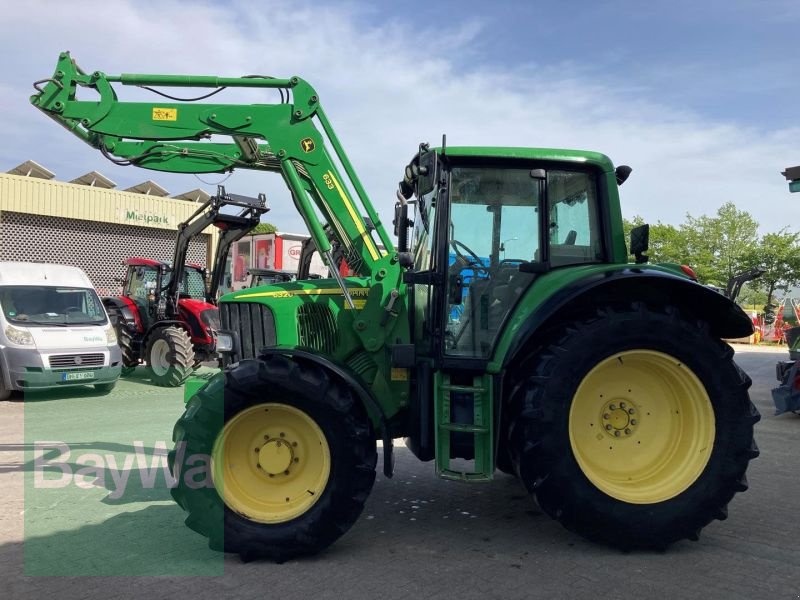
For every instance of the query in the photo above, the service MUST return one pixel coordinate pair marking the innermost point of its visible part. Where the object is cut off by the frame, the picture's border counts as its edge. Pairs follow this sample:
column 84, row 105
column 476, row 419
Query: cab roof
column 27, row 273
column 550, row 154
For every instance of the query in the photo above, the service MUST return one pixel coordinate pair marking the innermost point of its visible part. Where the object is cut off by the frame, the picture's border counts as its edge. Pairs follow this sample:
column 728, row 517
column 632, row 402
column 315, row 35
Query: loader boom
column 281, row 137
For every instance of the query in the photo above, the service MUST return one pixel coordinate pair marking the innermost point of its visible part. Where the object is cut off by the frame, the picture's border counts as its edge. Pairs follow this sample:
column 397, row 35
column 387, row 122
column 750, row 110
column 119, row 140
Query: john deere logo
column 307, row 144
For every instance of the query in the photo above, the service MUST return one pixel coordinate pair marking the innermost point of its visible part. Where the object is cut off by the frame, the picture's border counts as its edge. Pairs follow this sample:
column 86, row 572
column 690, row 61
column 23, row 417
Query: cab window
column 574, row 224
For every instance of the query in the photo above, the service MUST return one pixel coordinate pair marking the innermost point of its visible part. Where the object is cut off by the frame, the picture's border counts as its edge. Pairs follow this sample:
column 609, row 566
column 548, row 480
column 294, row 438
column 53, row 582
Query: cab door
column 494, row 225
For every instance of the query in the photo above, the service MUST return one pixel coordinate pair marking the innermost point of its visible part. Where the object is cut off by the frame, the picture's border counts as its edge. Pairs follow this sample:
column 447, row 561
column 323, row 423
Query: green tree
column 721, row 246
column 667, row 243
column 779, row 255
column 264, row 228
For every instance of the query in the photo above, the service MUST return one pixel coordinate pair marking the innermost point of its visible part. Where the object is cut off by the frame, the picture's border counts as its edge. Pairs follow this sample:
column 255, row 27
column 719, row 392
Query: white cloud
column 386, row 88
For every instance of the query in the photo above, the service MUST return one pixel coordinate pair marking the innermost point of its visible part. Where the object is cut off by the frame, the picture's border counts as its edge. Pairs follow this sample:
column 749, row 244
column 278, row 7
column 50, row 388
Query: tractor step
column 478, row 397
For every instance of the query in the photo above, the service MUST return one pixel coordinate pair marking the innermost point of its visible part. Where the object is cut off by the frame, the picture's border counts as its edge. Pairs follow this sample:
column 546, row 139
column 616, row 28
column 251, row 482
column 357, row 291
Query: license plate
column 80, row 375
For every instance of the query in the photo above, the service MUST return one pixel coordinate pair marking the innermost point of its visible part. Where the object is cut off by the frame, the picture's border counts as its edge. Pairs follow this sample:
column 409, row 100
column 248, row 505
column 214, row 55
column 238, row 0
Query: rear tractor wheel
column 170, row 356
column 293, row 457
column 633, row 429
column 130, row 359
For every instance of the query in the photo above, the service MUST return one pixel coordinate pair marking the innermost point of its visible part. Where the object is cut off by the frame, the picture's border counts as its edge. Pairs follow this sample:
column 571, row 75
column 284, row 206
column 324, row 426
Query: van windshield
column 49, row 305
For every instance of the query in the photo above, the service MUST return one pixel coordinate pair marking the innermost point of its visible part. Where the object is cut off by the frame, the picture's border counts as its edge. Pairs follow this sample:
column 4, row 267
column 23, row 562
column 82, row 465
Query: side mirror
column 640, row 243
column 622, row 173
column 426, row 172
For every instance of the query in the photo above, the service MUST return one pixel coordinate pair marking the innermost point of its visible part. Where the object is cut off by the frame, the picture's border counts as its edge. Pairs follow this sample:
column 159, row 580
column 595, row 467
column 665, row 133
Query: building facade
column 89, row 224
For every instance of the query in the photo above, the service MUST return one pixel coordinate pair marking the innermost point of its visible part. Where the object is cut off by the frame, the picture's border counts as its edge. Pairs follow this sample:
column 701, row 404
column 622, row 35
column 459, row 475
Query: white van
column 54, row 330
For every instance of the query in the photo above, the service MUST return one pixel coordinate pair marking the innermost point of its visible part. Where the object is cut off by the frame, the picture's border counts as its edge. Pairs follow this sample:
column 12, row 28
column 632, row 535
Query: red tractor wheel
column 170, row 356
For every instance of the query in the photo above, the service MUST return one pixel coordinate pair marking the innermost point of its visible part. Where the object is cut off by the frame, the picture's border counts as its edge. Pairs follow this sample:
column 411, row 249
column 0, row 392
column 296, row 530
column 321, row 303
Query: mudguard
column 725, row 318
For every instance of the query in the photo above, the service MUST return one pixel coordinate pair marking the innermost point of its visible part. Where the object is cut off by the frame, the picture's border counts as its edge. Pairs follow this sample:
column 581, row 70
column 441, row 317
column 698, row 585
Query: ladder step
column 463, row 388
column 464, row 476
column 474, row 395
column 460, row 427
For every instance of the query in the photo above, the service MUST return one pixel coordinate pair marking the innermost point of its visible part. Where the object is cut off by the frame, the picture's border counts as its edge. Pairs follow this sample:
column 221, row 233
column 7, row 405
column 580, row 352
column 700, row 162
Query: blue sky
column 699, row 98
column 729, row 59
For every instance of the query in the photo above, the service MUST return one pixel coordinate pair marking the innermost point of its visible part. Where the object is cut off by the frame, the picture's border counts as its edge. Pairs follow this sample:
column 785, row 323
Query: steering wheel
column 466, row 254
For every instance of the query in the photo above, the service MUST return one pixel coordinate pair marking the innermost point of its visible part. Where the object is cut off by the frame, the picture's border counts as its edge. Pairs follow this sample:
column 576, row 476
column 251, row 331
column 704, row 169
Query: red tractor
column 166, row 317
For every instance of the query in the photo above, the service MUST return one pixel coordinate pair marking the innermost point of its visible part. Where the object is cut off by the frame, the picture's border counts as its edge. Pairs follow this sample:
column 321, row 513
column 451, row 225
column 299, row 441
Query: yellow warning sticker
column 358, row 303
column 399, row 374
column 165, row 114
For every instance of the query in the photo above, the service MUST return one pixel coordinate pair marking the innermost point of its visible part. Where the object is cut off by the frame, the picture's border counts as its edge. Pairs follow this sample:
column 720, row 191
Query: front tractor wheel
column 170, row 356
column 633, row 429
column 293, row 459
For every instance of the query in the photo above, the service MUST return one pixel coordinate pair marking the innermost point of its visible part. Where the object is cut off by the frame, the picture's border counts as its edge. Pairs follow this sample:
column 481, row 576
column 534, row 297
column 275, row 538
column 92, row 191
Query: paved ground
column 419, row 536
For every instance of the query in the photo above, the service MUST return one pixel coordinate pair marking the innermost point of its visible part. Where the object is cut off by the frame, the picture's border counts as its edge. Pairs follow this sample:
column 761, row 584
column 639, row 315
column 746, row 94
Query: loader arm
column 232, row 229
column 282, row 137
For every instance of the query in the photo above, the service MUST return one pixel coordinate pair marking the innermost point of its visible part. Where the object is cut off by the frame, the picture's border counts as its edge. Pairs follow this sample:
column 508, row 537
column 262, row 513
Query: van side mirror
column 640, row 243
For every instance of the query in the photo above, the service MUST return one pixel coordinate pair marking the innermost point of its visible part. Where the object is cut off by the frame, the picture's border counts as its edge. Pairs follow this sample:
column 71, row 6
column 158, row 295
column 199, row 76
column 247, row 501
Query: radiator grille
column 254, row 324
column 60, row 361
column 316, row 327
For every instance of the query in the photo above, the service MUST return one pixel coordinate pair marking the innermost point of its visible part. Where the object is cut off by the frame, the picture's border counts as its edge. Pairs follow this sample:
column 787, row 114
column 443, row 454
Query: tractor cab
column 489, row 226
column 146, row 281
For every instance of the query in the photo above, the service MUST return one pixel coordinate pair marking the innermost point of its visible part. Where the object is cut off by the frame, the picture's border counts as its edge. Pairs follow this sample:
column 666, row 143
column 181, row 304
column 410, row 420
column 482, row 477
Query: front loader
column 506, row 328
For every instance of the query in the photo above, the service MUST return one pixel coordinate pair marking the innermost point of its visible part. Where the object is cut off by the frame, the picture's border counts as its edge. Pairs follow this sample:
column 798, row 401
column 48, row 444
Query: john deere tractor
column 504, row 329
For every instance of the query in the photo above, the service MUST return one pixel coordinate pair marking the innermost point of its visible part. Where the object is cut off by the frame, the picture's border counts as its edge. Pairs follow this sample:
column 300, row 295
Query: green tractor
column 505, row 329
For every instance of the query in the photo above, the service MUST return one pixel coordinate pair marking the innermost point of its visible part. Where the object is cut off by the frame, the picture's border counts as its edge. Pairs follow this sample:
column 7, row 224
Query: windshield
column 48, row 305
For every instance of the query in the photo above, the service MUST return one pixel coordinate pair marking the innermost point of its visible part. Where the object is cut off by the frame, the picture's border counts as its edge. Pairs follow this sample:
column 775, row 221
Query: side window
column 422, row 240
column 142, row 279
column 574, row 224
column 424, row 218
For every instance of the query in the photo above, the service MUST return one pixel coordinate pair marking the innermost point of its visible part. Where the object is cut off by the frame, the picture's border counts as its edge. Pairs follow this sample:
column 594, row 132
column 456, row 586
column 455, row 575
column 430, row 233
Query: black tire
column 170, row 348
column 337, row 413
column 539, row 435
column 5, row 393
column 130, row 358
column 105, row 388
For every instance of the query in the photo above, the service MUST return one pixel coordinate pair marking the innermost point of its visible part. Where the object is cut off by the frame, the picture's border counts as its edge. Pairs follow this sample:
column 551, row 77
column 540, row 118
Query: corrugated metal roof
column 148, row 188
column 32, row 169
column 95, row 179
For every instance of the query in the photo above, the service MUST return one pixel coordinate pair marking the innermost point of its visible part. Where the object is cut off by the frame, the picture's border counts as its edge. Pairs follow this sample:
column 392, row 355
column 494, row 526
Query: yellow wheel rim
column 641, row 426
column 271, row 463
